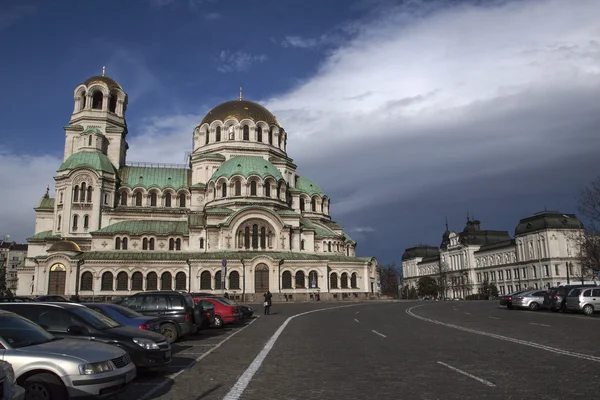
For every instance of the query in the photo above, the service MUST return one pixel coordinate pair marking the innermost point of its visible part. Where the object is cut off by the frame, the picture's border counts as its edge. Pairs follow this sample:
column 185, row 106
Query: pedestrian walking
column 267, row 303
column 226, row 295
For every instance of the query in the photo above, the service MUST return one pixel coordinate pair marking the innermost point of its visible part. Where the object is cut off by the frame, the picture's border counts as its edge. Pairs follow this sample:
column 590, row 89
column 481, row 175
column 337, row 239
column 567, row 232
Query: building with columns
column 115, row 228
column 542, row 254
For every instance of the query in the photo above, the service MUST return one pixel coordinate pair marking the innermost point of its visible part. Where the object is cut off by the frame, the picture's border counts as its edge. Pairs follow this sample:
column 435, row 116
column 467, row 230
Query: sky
column 405, row 112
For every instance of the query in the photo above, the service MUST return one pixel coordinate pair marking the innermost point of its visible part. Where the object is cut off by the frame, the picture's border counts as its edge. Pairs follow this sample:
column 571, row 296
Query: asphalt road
column 387, row 350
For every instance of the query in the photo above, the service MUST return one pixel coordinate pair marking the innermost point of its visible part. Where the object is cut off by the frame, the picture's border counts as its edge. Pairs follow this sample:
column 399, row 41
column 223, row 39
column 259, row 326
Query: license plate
column 129, row 376
column 167, row 354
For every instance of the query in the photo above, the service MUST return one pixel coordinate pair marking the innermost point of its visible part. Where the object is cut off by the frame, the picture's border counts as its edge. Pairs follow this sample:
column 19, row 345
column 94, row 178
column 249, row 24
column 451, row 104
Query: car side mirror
column 77, row 330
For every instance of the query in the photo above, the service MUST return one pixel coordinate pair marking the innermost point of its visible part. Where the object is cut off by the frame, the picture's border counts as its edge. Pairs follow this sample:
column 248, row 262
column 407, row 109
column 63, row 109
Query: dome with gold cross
column 240, row 109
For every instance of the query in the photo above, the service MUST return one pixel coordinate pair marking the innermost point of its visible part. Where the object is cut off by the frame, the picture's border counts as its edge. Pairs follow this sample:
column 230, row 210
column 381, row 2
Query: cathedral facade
column 236, row 218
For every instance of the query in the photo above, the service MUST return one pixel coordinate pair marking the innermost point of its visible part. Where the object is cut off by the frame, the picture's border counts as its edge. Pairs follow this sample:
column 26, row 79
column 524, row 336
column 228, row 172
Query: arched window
column 97, row 100
column 263, row 238
column 344, row 281
column 75, row 194
column 253, row 188
column 124, row 244
column 151, row 244
column 166, row 281
column 246, row 132
column 89, row 194
column 279, row 138
column 271, row 135
column 153, row 199
column 112, row 102
column 300, row 280
column 122, row 281
column 286, row 280
column 218, row 280
column 182, row 200
column 89, row 140
column 205, row 281
column 83, row 100
column 218, row 133
column 313, row 279
column 259, row 134
column 223, row 190
column 86, row 221
column 301, row 204
column 333, row 281
column 180, row 281
column 302, row 244
column 168, row 200
column 353, row 281
column 137, row 280
column 201, row 243
column 107, row 281
column 152, row 281
column 234, row 280
column 171, row 244
column 123, row 198
column 87, row 280
column 144, row 244
column 75, row 220
column 138, row 199
column 82, row 195
column 58, row 227
column 238, row 188
column 177, row 244
column 118, row 243
column 329, row 247
column 313, row 205
column 267, row 189
column 255, row 236
column 206, row 135
column 247, row 237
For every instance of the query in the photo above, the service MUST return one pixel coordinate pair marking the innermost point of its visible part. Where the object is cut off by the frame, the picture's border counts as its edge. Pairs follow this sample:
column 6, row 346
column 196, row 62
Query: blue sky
column 405, row 112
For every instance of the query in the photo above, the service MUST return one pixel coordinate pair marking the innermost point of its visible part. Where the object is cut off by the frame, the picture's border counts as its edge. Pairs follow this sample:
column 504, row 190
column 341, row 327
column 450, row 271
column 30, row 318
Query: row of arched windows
column 313, row 204
column 207, row 282
column 343, row 281
column 245, row 135
column 300, row 280
column 337, row 247
column 136, row 282
column 138, row 199
column 82, row 194
column 97, row 98
column 148, row 243
column 236, row 188
column 75, row 226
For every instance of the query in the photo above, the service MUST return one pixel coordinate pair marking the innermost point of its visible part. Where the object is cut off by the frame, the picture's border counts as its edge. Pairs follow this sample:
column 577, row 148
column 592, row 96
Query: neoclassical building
column 115, row 228
column 542, row 254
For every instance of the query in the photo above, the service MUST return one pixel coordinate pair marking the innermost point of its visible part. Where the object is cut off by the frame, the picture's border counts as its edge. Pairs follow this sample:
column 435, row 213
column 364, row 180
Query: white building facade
column 542, row 254
column 116, row 228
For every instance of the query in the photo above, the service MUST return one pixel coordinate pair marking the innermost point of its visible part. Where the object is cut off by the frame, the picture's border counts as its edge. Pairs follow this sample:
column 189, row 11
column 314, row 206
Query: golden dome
column 64, row 245
column 240, row 109
column 111, row 83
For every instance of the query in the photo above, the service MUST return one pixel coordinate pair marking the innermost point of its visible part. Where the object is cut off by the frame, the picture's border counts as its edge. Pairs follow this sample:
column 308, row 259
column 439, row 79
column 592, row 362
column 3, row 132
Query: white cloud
column 238, row 61
column 297, row 41
column 362, row 229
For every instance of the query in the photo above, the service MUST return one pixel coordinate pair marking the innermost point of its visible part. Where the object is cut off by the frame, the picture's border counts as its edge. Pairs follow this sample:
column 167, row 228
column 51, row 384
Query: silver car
column 55, row 369
column 584, row 299
column 532, row 299
column 9, row 390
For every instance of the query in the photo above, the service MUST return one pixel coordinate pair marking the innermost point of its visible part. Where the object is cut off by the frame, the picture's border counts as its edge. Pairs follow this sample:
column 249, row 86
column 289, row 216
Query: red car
column 224, row 313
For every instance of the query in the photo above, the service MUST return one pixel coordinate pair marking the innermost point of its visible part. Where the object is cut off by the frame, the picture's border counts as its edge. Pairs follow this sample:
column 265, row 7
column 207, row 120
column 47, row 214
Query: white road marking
column 460, row 371
column 494, row 317
column 377, row 333
column 356, row 320
column 534, row 323
column 468, row 313
column 238, row 389
column 506, row 338
column 174, row 375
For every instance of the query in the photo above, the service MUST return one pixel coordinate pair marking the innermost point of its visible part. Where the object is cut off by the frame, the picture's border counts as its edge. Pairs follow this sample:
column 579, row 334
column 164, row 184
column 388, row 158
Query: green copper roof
column 246, row 166
column 548, row 220
column 307, row 186
column 288, row 212
column 45, row 235
column 46, row 202
column 147, row 177
column 146, row 227
column 219, row 210
column 320, row 231
column 95, row 131
column 216, row 157
column 88, row 159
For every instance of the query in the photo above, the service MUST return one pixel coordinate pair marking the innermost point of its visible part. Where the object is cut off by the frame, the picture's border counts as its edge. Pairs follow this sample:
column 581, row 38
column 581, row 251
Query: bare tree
column 442, row 278
column 389, row 279
column 588, row 241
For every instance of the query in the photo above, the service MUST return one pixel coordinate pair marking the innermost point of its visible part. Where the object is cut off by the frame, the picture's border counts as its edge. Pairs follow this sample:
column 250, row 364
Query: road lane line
column 171, row 377
column 356, row 320
column 238, row 389
column 460, row 371
column 505, row 338
column 380, row 334
column 494, row 317
column 545, row 325
column 468, row 313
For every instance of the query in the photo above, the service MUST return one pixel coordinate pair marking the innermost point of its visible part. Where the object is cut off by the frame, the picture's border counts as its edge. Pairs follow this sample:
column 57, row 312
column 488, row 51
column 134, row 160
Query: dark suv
column 179, row 315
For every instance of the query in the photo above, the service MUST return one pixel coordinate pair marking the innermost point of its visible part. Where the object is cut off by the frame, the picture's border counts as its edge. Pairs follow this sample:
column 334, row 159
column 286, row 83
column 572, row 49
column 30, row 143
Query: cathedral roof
column 88, row 159
column 154, row 176
column 246, row 166
column 548, row 220
column 157, row 227
column 307, row 186
column 64, row 245
column 240, row 109
column 111, row 83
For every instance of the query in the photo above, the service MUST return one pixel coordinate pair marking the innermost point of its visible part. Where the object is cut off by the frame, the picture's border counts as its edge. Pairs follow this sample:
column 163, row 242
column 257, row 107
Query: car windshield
column 574, row 293
column 95, row 319
column 223, row 300
column 20, row 332
column 124, row 311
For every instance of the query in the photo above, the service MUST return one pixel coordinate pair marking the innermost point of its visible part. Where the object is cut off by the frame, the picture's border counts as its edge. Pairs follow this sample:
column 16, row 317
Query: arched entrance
column 57, row 279
column 261, row 278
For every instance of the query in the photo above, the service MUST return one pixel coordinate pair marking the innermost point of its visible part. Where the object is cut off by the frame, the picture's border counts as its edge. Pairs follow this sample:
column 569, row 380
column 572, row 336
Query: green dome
column 307, row 186
column 246, row 166
column 88, row 159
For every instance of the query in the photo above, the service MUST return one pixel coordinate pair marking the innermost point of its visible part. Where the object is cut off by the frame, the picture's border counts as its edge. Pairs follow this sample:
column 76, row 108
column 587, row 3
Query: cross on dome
column 103, row 70
column 240, row 98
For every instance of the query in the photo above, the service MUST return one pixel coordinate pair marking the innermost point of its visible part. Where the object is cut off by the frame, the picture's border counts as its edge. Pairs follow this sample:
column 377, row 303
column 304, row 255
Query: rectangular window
column 479, row 277
column 556, row 270
column 524, row 272
column 535, row 286
column 516, row 272
column 508, row 274
column 534, row 272
column 518, row 287
column 500, row 275
column 493, row 276
column 547, row 270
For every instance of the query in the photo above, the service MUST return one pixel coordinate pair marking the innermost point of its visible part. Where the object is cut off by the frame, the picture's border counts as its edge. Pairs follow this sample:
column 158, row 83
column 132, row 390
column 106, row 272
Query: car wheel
column 218, row 322
column 44, row 387
column 169, row 331
column 534, row 306
column 588, row 309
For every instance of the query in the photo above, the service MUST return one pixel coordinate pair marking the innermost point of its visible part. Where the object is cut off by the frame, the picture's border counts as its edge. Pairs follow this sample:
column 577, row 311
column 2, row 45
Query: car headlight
column 9, row 372
column 96, row 368
column 146, row 343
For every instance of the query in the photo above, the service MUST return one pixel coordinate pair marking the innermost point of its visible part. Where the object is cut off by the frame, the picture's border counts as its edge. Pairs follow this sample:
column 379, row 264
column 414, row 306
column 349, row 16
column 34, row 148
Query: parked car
column 247, row 311
column 179, row 315
column 533, row 299
column 224, row 313
column 583, row 299
column 55, row 369
column 506, row 300
column 556, row 300
column 9, row 390
column 126, row 316
column 75, row 321
column 16, row 299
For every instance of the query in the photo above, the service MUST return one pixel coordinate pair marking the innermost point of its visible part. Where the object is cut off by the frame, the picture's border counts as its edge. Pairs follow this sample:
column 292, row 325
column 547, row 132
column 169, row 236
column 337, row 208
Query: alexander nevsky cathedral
column 236, row 218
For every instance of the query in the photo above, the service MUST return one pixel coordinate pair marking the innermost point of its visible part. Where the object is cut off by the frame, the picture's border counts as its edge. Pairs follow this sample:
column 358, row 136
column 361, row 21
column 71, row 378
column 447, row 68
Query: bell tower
column 98, row 120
